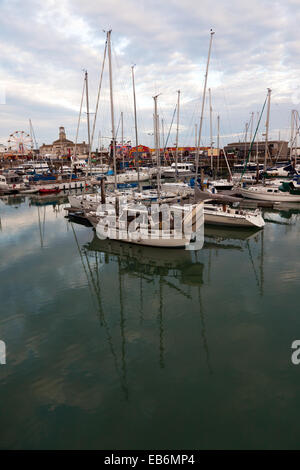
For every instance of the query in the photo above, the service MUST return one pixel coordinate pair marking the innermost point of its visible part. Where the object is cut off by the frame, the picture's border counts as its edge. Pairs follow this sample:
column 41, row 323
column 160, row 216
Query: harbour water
column 112, row 346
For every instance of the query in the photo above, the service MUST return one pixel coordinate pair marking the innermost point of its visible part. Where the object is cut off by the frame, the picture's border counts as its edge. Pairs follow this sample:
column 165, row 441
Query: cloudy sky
column 45, row 45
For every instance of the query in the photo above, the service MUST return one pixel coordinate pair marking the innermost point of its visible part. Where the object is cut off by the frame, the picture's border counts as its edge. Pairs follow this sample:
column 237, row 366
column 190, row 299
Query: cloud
column 50, row 43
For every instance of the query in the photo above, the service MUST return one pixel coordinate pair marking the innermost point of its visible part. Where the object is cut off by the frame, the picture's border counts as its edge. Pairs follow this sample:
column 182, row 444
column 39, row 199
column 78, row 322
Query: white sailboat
column 232, row 217
column 270, row 193
column 135, row 224
column 161, row 225
column 183, row 169
column 130, row 176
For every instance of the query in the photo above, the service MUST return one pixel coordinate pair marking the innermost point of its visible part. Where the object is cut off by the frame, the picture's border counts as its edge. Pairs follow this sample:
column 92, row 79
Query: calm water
column 117, row 347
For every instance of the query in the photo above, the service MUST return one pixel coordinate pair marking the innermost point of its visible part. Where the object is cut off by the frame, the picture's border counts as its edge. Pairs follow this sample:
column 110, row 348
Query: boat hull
column 223, row 220
column 263, row 196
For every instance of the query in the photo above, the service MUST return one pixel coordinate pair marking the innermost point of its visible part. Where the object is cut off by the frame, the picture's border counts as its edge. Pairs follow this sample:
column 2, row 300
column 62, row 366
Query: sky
column 46, row 46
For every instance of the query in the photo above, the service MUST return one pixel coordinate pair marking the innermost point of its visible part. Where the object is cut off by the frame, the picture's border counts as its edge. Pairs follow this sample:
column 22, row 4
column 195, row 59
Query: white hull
column 171, row 238
column 265, row 196
column 62, row 186
column 172, row 173
column 177, row 188
column 219, row 219
column 130, row 177
column 167, row 242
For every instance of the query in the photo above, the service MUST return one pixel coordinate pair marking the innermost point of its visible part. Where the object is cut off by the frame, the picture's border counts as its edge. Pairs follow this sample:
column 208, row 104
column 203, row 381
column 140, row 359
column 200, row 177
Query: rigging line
column 125, row 96
column 98, row 96
column 161, row 326
column 123, row 337
column 203, row 331
column 44, row 220
column 118, row 127
column 83, row 265
column 79, row 117
column 253, row 139
column 104, row 321
column 252, row 262
column 77, row 131
column 170, row 128
column 173, row 286
column 219, row 65
column 40, row 228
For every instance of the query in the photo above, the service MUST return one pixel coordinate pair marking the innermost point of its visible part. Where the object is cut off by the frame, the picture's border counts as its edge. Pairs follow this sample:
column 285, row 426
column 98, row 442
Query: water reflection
column 178, row 270
column 148, row 265
column 168, row 322
column 171, row 268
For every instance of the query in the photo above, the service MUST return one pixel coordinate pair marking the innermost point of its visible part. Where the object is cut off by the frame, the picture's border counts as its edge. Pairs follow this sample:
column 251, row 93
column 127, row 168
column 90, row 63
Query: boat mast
column 100, row 149
column 257, row 162
column 163, row 139
column 251, row 132
column 292, row 135
column 202, row 107
column 296, row 136
column 177, row 133
column 218, row 143
column 257, row 139
column 158, row 135
column 32, row 135
column 88, row 120
column 122, row 138
column 156, row 145
column 246, row 133
column 210, row 127
column 267, row 129
column 137, row 165
column 113, row 142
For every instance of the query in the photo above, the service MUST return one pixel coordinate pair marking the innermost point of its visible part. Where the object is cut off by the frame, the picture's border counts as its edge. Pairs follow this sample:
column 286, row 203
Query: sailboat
column 287, row 192
column 138, row 224
column 232, row 217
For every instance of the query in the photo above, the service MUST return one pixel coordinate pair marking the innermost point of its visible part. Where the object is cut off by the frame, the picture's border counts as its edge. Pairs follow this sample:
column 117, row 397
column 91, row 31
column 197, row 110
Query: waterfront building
column 276, row 148
column 63, row 147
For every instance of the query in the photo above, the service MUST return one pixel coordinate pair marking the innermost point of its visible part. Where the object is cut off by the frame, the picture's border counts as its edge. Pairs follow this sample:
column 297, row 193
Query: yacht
column 136, row 224
column 11, row 182
column 232, row 217
column 183, row 169
column 287, row 192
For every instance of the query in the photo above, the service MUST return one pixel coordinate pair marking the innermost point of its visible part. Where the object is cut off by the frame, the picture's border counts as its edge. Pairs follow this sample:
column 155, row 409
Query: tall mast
column 122, row 129
column 203, row 101
column 218, row 142
column 267, row 129
column 163, row 139
column 296, row 136
column 177, row 133
column 156, row 145
column 112, row 107
column 246, row 133
column 88, row 119
column 122, row 137
column 292, row 135
column 257, row 138
column 100, row 148
column 32, row 134
column 158, row 135
column 195, row 136
column 210, row 127
column 251, row 126
column 135, row 125
column 251, row 131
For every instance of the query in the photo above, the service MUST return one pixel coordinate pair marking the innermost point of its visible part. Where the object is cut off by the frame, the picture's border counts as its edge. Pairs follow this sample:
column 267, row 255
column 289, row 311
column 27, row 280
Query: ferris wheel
column 20, row 142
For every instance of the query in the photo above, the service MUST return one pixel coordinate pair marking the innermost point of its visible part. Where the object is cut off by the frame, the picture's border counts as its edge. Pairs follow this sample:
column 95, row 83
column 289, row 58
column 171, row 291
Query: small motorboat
column 49, row 191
